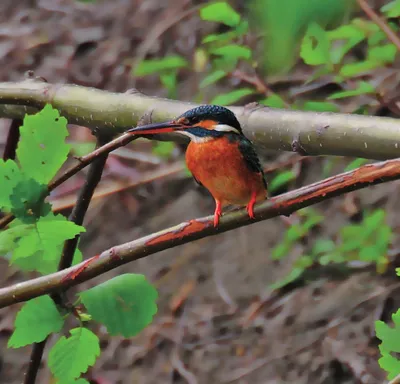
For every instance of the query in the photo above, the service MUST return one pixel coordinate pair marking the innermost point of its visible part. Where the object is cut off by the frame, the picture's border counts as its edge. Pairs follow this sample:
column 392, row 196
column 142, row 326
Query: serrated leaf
column 125, row 304
column 362, row 89
column 390, row 337
column 220, row 12
column 212, row 78
column 315, row 47
column 151, row 66
column 10, row 175
column 42, row 149
column 233, row 52
column 72, row 356
column 41, row 246
column 36, row 320
column 27, row 200
column 232, row 97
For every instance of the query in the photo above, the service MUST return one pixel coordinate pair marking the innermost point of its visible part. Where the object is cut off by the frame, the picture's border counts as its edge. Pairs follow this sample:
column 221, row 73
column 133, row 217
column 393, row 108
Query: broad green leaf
column 220, row 12
column 42, row 149
column 72, row 356
column 36, row 320
column 232, row 97
column 355, row 164
column 27, row 200
column 152, row 66
column 42, row 244
column 125, row 304
column 390, row 337
column 212, row 78
column 320, row 106
column 273, row 101
column 10, row 237
column 362, row 89
column 315, row 46
column 10, row 175
column 392, row 9
column 281, row 179
column 233, row 52
column 384, row 54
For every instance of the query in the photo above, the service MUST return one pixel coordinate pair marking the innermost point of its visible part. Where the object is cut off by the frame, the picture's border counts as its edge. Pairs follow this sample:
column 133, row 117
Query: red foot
column 250, row 206
column 76, row 272
column 217, row 213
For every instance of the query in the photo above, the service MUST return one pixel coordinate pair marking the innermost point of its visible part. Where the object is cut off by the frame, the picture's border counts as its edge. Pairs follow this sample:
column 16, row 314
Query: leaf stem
column 77, row 215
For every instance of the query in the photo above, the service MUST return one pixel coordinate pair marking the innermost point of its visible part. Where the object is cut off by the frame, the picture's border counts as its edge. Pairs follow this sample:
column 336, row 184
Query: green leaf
column 36, row 320
column 220, row 12
column 124, row 304
column 212, row 78
column 362, row 89
column 384, row 54
column 233, row 52
column 390, row 338
column 10, row 237
column 281, row 179
column 392, row 9
column 355, row 164
column 240, row 30
column 273, row 101
column 354, row 69
column 42, row 149
column 151, row 66
column 315, row 46
column 11, row 176
column 69, row 357
column 323, row 246
column 169, row 81
column 320, row 106
column 232, row 97
column 163, row 148
column 27, row 201
column 41, row 246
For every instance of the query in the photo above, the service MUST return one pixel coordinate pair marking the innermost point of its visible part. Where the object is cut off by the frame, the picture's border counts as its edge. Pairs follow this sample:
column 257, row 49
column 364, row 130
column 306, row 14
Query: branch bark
column 309, row 133
column 196, row 229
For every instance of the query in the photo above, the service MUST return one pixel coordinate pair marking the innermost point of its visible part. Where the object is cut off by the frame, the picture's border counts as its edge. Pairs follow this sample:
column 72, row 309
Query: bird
column 219, row 156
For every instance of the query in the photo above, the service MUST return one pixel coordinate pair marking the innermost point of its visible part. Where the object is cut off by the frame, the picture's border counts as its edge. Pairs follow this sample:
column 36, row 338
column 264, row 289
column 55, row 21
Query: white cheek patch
column 194, row 138
column 225, row 128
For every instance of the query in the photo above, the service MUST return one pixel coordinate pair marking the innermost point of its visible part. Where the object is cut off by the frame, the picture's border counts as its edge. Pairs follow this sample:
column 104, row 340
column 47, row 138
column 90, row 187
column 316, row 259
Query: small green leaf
column 163, row 148
column 72, row 356
column 151, row 66
column 28, row 200
column 169, row 81
column 362, row 89
column 281, row 179
column 10, row 175
column 355, row 164
column 240, row 30
column 232, row 52
column 392, row 9
column 315, row 46
column 42, row 149
column 358, row 68
column 124, row 304
column 36, row 320
column 232, row 97
column 320, row 106
column 384, row 54
column 212, row 78
column 273, row 101
column 220, row 12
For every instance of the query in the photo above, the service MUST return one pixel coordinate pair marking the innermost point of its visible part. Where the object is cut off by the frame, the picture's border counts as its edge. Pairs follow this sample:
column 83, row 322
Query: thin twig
column 77, row 215
column 284, row 204
column 381, row 23
column 12, row 140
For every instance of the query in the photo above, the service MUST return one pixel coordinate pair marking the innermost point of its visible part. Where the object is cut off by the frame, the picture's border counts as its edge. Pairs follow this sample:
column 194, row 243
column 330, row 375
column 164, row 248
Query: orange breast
column 220, row 167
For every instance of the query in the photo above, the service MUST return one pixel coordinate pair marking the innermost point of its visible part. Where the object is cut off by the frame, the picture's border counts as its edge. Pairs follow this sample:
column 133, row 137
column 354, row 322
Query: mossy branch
column 308, row 133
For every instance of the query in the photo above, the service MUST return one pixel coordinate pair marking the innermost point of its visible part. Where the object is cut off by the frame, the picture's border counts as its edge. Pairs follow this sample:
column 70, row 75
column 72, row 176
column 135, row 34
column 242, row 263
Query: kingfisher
column 219, row 156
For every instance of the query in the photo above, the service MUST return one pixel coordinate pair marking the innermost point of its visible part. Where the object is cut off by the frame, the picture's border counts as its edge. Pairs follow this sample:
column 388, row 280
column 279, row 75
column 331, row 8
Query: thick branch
column 309, row 133
column 196, row 229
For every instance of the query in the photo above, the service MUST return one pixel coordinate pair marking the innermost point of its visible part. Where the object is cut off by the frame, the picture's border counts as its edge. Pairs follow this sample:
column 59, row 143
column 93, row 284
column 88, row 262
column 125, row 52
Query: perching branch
column 196, row 229
column 311, row 133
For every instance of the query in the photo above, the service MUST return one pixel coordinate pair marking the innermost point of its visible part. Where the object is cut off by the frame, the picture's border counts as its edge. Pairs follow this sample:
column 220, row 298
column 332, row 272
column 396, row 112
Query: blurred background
column 286, row 300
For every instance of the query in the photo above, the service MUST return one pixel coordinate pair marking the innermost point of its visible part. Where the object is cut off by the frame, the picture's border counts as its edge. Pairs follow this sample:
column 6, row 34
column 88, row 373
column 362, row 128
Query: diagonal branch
column 311, row 133
column 196, row 229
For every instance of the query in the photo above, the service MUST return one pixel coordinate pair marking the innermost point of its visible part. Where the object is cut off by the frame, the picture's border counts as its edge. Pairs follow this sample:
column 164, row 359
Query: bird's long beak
column 152, row 129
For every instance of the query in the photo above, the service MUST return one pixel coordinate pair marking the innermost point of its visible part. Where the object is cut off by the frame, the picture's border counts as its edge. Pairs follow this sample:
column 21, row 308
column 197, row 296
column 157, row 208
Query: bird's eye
column 194, row 120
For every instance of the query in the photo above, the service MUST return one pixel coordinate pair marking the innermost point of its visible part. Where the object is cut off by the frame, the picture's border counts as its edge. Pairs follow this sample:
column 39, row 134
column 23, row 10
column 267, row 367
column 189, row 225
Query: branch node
column 298, row 148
